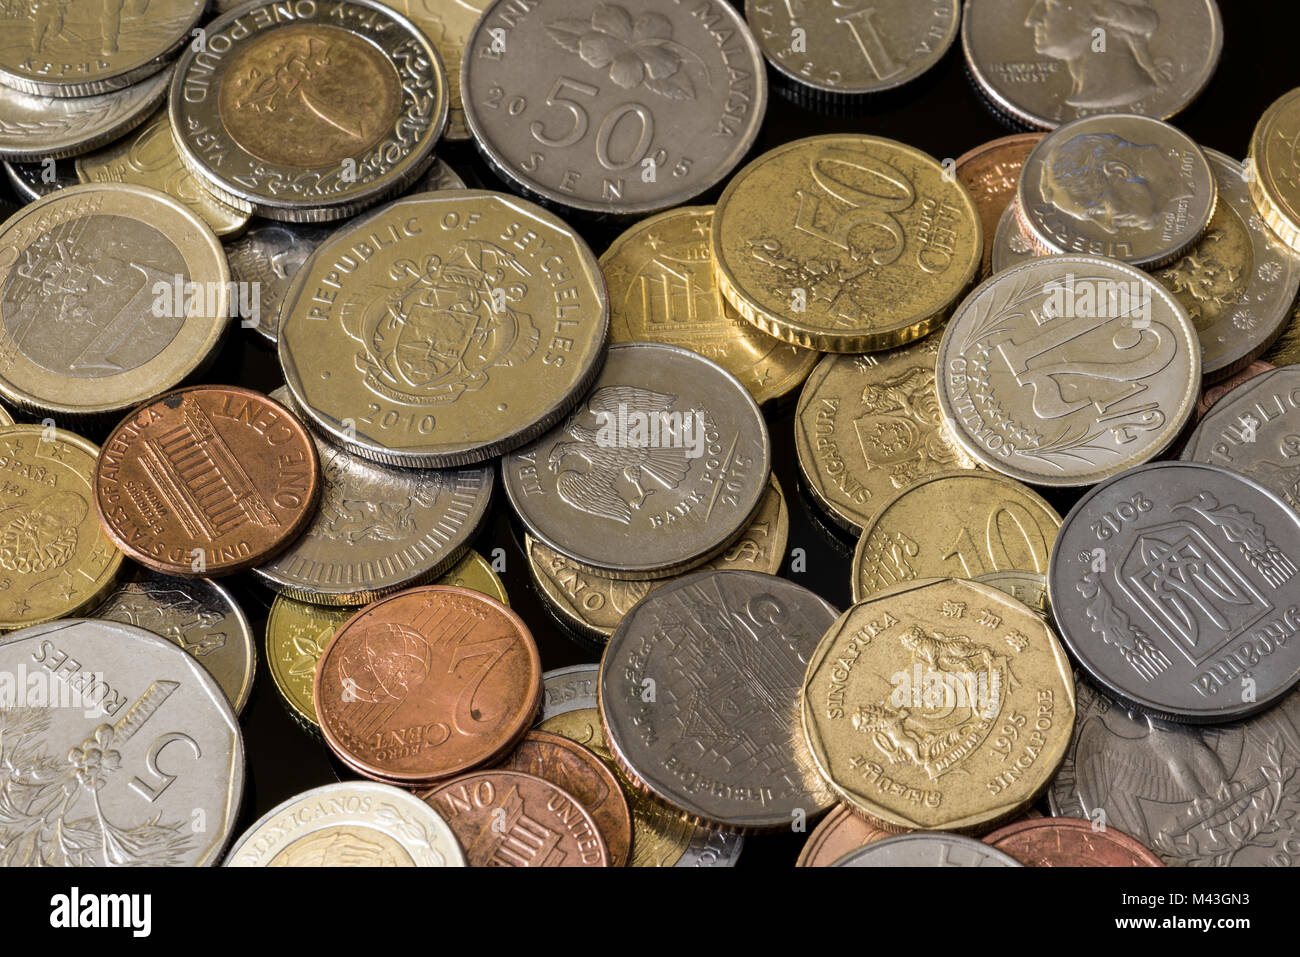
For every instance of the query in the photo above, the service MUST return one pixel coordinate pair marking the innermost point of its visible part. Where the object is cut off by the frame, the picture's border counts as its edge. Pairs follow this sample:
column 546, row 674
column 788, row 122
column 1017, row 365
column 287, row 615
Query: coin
column 439, row 176
column 1211, row 396
column 593, row 605
column 867, row 426
column 1198, row 796
column 1065, row 370
column 667, row 449
column 427, row 684
column 82, row 48
column 578, row 771
column 507, row 297
column 265, row 258
column 77, row 791
column 142, row 303
column 1070, row 842
column 1029, row 588
column 509, row 819
column 647, row 104
column 1010, row 244
column 662, row 289
column 660, row 838
column 31, row 181
column 310, row 115
column 37, row 128
column 5, row 417
column 848, row 50
column 207, row 480
column 1039, row 63
column 845, row 243
column 54, row 559
column 474, row 571
column 1286, row 350
column 953, row 524
column 927, row 850
column 840, row 832
column 195, row 614
column 931, row 679
column 351, row 824
column 1275, row 165
column 990, row 173
column 148, row 157
column 1174, row 585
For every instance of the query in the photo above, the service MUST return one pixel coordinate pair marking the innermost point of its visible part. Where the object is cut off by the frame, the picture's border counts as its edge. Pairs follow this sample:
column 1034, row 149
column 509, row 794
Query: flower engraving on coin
column 636, row 52
column 41, row 535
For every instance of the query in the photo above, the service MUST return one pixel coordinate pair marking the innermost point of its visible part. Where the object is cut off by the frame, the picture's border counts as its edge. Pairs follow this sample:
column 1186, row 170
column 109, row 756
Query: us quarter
column 927, row 850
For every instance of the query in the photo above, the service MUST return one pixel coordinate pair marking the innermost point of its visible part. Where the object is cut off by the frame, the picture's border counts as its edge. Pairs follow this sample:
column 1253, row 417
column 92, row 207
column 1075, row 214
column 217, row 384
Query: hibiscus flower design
column 96, row 758
column 637, row 52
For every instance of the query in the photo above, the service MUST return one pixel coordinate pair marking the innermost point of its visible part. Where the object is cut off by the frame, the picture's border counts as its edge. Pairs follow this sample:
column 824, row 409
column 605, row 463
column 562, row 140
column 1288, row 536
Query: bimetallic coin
column 620, row 109
column 945, row 705
column 1210, row 397
column 1029, row 588
column 1070, row 842
column 667, row 449
column 265, row 258
column 395, row 372
column 1010, row 244
column 148, row 157
column 55, row 560
column 927, row 850
column 840, row 832
column 207, row 480
column 1065, row 370
column 1038, row 62
column 662, row 288
column 352, row 824
column 1175, row 586
column 36, row 128
column 1275, row 166
column 117, row 744
column 1196, row 796
column 954, row 524
column 990, row 173
column 196, row 614
column 31, row 181
column 142, row 304
column 1129, row 187
column 845, row 243
column 867, row 426
column 848, row 49
column 80, row 48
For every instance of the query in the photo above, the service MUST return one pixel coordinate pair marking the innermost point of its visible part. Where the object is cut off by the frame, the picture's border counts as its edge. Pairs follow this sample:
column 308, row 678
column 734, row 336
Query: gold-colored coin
column 869, row 425
column 55, row 560
column 662, row 288
column 1275, row 156
column 5, row 417
column 148, row 157
column 954, row 525
column 1029, row 588
column 1286, row 350
column 593, row 605
column 846, row 243
column 944, row 705
column 474, row 571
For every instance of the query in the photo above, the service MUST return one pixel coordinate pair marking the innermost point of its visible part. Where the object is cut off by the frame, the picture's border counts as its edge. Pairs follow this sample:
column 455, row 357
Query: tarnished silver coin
column 196, row 614
column 667, row 451
column 350, row 824
column 439, row 176
column 622, row 108
column 378, row 528
column 1132, row 188
column 1011, row 246
column 270, row 254
column 120, row 750
column 34, row 127
column 927, row 850
column 1203, row 797
column 31, row 181
column 1046, row 62
column 1175, row 586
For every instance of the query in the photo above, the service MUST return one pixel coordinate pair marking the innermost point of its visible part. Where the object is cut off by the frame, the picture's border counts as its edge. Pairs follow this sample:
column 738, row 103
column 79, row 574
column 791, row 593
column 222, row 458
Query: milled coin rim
column 1282, row 217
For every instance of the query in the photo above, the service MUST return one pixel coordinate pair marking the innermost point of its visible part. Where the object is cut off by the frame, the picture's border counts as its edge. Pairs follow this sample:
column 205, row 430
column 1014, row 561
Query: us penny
column 1070, row 842
column 1211, row 396
column 840, row 832
column 990, row 173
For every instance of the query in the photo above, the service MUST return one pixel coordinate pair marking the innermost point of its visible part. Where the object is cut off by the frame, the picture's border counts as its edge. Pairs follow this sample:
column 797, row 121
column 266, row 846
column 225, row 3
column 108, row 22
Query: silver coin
column 196, row 614
column 616, row 108
column 927, row 850
column 270, row 254
column 120, row 750
column 1011, row 246
column 668, row 450
column 1043, row 63
column 1221, row 796
column 31, row 181
column 351, row 824
column 1175, row 585
column 378, row 528
column 440, row 176
column 1129, row 187
column 34, row 127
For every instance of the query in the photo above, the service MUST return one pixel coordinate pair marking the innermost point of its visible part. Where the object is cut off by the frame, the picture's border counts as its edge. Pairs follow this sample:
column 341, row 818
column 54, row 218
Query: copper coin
column 207, row 481
column 839, row 832
column 1217, row 391
column 990, row 173
column 577, row 770
column 1070, row 842
column 511, row 819
column 427, row 684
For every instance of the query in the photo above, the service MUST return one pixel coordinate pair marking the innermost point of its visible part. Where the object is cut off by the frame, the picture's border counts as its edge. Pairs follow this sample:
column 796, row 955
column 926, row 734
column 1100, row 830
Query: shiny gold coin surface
column 5, row 417
column 1029, row 588
column 845, row 243
column 940, row 706
column 55, row 560
column 869, row 425
column 662, row 288
column 474, row 571
column 148, row 157
column 955, row 524
column 1275, row 154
